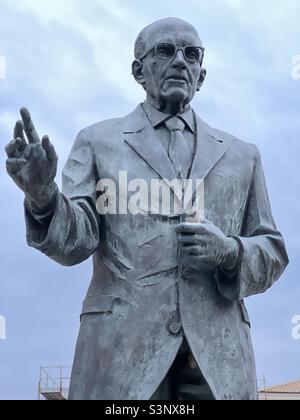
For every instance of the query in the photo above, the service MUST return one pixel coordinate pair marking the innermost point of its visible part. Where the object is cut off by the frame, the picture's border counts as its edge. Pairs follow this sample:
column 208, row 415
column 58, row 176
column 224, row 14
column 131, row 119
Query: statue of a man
column 164, row 317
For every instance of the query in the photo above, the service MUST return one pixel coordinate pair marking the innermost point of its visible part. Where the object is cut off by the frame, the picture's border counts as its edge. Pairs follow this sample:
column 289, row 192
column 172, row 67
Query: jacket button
column 175, row 328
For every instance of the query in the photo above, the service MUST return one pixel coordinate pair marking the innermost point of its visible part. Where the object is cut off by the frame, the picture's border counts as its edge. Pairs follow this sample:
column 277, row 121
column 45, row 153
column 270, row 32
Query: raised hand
column 32, row 163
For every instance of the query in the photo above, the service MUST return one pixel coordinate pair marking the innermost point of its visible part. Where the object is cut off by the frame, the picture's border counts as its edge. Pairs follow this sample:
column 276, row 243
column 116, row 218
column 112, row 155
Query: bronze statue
column 164, row 317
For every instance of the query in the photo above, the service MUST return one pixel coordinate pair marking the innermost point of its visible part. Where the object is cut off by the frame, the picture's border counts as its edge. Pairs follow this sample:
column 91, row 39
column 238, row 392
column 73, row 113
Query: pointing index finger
column 29, row 128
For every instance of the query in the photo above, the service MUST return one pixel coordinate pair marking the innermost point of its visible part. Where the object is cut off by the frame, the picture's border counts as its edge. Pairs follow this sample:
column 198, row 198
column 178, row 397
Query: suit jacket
column 129, row 337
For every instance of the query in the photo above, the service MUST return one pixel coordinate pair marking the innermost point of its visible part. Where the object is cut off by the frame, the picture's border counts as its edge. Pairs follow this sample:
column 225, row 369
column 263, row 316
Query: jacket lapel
column 211, row 147
column 140, row 136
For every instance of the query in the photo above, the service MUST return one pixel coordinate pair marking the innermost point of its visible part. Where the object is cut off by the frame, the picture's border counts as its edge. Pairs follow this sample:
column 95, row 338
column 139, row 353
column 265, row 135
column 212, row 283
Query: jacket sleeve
column 68, row 233
column 263, row 256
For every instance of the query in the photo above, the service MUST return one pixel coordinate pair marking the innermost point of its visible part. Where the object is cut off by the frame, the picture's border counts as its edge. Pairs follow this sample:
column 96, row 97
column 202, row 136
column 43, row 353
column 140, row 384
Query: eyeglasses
column 168, row 51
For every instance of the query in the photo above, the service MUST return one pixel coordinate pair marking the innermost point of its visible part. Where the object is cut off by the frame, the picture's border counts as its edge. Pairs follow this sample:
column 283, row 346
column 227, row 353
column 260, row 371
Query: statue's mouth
column 177, row 78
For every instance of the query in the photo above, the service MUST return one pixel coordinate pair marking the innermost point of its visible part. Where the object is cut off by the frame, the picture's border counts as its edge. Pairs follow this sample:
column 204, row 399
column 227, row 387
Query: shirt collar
column 157, row 117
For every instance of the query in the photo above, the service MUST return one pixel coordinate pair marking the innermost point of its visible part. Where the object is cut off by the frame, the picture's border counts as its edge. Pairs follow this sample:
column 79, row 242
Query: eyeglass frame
column 177, row 48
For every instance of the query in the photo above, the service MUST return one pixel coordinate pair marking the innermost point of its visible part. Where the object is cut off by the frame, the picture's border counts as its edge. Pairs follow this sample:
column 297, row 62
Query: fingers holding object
column 190, row 229
column 188, row 240
column 29, row 128
column 19, row 133
column 13, row 148
column 191, row 250
column 193, row 239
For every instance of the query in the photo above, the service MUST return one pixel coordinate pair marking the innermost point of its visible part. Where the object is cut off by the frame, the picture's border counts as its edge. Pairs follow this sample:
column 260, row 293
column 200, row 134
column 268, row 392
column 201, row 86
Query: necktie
column 178, row 148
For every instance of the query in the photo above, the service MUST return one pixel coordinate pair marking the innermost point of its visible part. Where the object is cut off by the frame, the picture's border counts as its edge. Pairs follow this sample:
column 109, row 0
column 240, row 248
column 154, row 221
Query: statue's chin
column 175, row 99
column 177, row 95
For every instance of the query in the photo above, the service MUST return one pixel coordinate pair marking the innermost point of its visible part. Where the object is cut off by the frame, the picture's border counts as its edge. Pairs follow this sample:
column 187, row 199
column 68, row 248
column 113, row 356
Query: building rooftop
column 290, row 388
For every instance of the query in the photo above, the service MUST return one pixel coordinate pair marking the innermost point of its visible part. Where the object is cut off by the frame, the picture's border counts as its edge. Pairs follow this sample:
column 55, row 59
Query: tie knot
column 175, row 124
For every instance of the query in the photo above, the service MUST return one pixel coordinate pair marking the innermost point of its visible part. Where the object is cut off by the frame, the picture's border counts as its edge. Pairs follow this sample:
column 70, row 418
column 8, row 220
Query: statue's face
column 175, row 79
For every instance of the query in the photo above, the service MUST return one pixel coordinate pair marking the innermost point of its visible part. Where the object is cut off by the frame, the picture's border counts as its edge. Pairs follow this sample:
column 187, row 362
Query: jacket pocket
column 244, row 312
column 105, row 304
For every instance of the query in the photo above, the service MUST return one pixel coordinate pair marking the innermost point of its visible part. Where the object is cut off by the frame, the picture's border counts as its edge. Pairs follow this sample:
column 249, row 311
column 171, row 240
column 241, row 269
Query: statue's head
column 168, row 63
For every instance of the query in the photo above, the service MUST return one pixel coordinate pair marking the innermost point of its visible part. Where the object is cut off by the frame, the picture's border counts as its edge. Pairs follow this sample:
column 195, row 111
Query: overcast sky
column 69, row 62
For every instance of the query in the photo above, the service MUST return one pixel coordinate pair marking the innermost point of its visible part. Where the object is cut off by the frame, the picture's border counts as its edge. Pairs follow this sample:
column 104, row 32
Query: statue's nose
column 179, row 60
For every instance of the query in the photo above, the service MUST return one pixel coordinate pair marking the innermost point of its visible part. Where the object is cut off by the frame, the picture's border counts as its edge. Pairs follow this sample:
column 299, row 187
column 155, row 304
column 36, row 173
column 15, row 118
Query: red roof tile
column 290, row 388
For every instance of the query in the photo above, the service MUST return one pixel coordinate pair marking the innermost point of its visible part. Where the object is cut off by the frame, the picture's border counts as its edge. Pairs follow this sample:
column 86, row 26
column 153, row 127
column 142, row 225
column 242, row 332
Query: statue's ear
column 201, row 79
column 137, row 71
